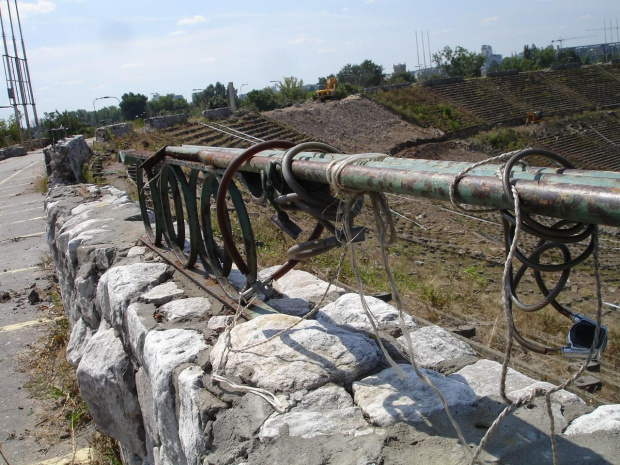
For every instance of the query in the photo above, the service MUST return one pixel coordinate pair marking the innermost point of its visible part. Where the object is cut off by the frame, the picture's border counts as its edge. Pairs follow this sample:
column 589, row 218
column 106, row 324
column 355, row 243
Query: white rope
column 385, row 227
column 507, row 304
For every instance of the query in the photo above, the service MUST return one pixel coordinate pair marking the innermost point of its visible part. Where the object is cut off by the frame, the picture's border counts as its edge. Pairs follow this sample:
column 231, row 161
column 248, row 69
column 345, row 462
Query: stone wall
column 217, row 113
column 153, row 354
column 107, row 133
column 64, row 160
column 14, row 151
column 161, row 122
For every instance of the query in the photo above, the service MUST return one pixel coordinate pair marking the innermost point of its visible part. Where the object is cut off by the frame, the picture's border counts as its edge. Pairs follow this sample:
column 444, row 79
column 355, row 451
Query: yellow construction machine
column 329, row 91
column 534, row 117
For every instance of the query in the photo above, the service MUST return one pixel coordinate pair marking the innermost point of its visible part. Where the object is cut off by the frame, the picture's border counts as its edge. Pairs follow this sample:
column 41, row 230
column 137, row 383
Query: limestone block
column 308, row 424
column 163, row 293
column 433, row 345
column 186, row 309
column 144, row 389
column 219, row 322
column 303, row 285
column 163, row 352
column 105, row 376
column 329, row 397
column 347, row 311
column 604, row 418
column 85, row 299
column 289, row 306
column 306, row 357
column 386, row 399
column 64, row 160
column 138, row 321
column 80, row 336
column 191, row 427
column 562, row 397
column 120, row 284
column 484, row 378
column 136, row 252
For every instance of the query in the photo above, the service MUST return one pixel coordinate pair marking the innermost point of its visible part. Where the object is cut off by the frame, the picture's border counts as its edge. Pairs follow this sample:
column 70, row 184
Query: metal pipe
column 576, row 195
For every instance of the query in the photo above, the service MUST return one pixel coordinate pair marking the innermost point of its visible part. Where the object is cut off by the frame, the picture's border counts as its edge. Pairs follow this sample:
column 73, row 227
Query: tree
column 401, row 78
column 459, row 62
column 261, row 100
column 168, row 103
column 212, row 96
column 290, row 90
column 366, row 74
column 9, row 132
column 133, row 105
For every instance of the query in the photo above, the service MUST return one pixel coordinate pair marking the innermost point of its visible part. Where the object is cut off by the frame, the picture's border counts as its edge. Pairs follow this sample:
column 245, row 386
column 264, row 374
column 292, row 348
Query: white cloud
column 132, row 65
column 368, row 2
column 99, row 87
column 180, row 32
column 38, row 8
column 489, row 20
column 327, row 50
column 193, row 20
column 75, row 82
column 207, row 60
column 305, row 40
column 585, row 17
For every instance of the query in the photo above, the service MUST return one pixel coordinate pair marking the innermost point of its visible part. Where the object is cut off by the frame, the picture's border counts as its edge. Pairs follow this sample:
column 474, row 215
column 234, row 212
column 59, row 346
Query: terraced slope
column 599, row 84
column 240, row 132
column 535, row 91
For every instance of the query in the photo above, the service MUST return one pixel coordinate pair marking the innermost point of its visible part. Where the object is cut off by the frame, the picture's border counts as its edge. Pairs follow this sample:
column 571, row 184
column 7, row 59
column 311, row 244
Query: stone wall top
column 176, row 380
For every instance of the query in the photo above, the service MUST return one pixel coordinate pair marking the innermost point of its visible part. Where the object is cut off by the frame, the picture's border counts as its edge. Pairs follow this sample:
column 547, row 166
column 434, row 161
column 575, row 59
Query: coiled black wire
column 556, row 237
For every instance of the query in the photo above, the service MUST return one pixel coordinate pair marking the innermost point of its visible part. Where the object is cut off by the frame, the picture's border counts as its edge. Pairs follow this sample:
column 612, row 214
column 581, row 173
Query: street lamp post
column 101, row 98
column 241, row 90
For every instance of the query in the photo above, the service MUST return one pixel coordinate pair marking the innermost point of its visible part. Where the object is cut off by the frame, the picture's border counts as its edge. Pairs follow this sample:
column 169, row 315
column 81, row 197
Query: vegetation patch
column 419, row 106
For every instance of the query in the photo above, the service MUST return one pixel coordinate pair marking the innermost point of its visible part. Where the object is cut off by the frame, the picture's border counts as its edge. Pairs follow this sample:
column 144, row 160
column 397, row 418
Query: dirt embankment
column 354, row 125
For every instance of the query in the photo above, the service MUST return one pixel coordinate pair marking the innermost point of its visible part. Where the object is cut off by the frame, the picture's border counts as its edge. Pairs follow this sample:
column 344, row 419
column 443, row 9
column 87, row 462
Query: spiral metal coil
column 563, row 237
column 173, row 200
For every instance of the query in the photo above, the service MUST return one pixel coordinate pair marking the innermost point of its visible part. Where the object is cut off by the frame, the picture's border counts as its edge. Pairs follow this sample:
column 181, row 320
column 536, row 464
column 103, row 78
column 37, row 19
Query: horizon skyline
column 77, row 53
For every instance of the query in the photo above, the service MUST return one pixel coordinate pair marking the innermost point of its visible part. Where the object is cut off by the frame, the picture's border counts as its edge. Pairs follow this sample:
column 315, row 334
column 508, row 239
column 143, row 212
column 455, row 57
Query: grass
column 421, row 107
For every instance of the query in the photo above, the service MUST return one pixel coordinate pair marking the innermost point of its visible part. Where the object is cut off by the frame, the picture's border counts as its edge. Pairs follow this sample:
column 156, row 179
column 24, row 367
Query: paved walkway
column 22, row 250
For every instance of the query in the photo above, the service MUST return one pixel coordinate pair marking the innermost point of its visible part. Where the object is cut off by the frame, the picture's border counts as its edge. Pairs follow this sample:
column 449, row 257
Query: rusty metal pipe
column 576, row 195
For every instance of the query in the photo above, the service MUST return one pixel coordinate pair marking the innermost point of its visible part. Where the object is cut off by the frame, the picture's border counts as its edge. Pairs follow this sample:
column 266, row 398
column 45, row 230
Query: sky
column 81, row 50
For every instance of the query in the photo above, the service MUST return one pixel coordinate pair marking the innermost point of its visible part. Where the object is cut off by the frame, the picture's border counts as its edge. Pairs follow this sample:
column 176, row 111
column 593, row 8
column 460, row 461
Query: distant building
column 596, row 52
column 424, row 74
column 487, row 52
column 155, row 97
column 400, row 68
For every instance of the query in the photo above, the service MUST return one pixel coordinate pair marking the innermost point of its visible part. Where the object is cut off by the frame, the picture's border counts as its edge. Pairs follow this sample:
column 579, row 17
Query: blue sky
column 79, row 50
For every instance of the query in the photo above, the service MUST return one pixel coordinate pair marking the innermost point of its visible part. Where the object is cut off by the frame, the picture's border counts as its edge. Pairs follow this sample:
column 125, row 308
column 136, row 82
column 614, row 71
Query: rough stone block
column 163, row 294
column 106, row 379
column 163, row 352
column 80, row 336
column 484, row 378
column 186, row 309
column 308, row 424
column 297, row 284
column 305, row 357
column 119, row 285
column 604, row 418
column 347, row 311
column 433, row 345
column 386, row 399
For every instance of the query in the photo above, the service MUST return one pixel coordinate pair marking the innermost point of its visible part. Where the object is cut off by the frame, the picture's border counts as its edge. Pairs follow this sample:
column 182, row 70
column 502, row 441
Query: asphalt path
column 22, row 251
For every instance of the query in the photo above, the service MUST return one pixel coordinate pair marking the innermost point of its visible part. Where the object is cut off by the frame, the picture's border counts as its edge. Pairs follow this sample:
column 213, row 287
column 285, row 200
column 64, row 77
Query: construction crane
column 561, row 40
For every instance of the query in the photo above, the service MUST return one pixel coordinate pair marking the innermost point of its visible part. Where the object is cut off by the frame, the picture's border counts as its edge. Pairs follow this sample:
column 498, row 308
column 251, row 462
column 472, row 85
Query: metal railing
column 181, row 186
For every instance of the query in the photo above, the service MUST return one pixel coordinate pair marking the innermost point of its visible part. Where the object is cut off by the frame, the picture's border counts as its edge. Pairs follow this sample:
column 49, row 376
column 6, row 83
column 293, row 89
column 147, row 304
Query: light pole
column 101, row 98
column 241, row 90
